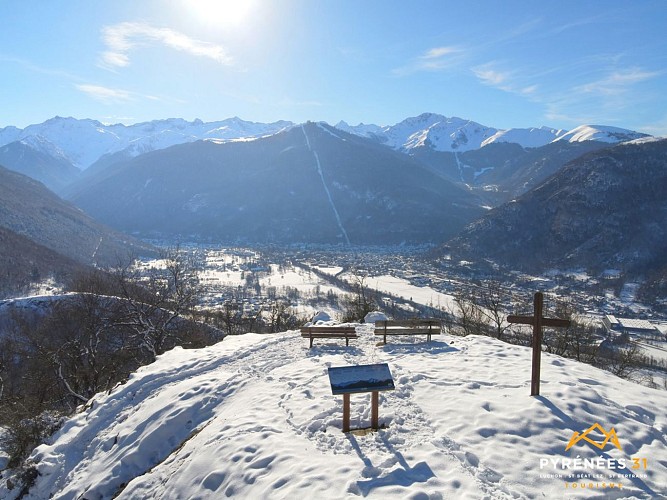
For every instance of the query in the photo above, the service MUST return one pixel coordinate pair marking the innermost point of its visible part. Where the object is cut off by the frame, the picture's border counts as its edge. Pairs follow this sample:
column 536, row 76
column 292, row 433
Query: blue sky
column 501, row 63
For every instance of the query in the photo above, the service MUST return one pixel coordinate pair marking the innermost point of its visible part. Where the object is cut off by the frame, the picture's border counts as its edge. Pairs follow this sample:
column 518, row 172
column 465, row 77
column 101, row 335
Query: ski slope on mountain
column 254, row 417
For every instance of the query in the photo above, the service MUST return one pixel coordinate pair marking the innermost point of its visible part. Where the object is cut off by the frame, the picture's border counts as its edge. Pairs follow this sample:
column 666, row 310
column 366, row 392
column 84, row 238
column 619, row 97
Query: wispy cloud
column 28, row 65
column 490, row 76
column 600, row 98
column 120, row 39
column 581, row 22
column 508, row 81
column 105, row 94
column 433, row 59
column 618, row 82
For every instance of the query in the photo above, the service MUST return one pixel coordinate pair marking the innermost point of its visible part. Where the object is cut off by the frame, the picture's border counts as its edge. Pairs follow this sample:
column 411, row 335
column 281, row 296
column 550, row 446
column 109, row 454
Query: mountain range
column 422, row 180
column 84, row 142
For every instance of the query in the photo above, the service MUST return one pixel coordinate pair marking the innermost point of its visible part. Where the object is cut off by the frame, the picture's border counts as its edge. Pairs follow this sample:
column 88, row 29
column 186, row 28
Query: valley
column 403, row 282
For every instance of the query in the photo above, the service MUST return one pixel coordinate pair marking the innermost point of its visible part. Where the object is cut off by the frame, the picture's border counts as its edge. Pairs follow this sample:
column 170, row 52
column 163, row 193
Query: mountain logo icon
column 609, row 437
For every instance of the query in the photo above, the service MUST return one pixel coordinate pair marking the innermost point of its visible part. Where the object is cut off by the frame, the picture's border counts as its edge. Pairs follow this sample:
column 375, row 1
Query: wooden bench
column 329, row 332
column 426, row 327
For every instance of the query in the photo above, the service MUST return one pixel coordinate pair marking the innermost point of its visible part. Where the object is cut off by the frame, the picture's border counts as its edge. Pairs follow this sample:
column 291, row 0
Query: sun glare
column 227, row 13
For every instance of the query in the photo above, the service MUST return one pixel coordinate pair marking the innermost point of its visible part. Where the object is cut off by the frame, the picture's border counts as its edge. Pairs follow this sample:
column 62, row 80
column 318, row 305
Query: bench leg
column 311, row 341
column 375, row 403
column 347, row 341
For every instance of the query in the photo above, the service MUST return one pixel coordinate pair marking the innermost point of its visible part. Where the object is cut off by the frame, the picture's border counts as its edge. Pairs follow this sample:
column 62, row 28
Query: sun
column 220, row 13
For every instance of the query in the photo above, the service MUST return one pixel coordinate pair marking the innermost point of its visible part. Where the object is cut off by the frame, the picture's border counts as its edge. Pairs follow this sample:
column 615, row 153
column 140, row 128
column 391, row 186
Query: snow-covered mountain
column 85, row 141
column 253, row 417
column 41, row 160
column 526, row 137
column 600, row 133
column 427, row 130
column 439, row 133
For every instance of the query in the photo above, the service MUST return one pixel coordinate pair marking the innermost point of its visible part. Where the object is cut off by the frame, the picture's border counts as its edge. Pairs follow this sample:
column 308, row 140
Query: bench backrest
column 409, row 323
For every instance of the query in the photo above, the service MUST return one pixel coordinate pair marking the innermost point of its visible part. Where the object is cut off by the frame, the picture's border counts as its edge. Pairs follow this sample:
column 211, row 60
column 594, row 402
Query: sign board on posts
column 348, row 380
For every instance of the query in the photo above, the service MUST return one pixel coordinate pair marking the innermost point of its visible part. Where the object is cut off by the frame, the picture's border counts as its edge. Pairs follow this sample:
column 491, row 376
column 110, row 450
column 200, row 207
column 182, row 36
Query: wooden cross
column 538, row 322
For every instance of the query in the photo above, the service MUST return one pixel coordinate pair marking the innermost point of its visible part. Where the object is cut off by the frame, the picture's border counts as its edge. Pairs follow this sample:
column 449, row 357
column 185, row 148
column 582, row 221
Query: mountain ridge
column 602, row 210
column 31, row 210
column 312, row 183
column 85, row 141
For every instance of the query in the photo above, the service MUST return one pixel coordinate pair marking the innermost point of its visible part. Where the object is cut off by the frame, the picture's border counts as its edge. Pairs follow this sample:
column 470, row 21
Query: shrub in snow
column 374, row 316
column 320, row 316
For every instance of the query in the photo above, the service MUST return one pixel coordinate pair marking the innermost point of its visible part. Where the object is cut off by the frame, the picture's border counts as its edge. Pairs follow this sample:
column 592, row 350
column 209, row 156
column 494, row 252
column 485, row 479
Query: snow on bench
column 408, row 327
column 329, row 332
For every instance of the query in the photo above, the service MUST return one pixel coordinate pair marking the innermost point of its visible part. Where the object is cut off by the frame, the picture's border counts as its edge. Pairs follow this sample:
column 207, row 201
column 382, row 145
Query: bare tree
column 467, row 313
column 578, row 341
column 357, row 305
column 154, row 305
column 492, row 301
column 622, row 361
column 282, row 317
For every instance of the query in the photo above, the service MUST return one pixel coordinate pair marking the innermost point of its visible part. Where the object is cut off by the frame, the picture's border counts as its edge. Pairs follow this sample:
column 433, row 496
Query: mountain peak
column 602, row 133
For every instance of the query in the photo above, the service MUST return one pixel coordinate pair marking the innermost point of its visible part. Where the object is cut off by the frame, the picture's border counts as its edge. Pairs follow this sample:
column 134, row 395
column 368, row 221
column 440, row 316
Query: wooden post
column 375, row 403
column 538, row 322
column 538, row 306
column 346, row 412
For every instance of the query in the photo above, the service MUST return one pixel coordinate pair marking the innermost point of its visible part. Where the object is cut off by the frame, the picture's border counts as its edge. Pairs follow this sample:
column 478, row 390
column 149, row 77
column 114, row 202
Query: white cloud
column 490, row 76
column 618, row 82
column 105, row 94
column 507, row 81
column 434, row 59
column 438, row 52
column 121, row 39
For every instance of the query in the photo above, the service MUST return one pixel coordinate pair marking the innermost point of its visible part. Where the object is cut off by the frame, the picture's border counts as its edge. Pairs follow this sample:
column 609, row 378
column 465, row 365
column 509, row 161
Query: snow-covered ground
column 254, row 417
column 420, row 294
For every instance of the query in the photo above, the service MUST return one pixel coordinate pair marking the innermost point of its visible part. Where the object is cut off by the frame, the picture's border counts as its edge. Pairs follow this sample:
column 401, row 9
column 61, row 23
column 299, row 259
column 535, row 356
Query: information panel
column 360, row 378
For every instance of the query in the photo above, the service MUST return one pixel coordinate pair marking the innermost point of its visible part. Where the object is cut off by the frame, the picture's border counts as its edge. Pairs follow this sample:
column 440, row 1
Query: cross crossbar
column 530, row 320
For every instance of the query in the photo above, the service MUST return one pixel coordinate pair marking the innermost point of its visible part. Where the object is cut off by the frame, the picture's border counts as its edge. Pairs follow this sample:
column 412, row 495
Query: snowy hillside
column 253, row 417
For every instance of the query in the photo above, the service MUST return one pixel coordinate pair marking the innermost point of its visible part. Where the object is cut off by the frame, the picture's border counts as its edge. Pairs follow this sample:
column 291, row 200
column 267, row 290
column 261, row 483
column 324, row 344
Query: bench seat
column 329, row 332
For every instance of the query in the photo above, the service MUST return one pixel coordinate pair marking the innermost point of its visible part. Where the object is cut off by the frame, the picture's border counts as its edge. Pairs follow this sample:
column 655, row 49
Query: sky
column 503, row 64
